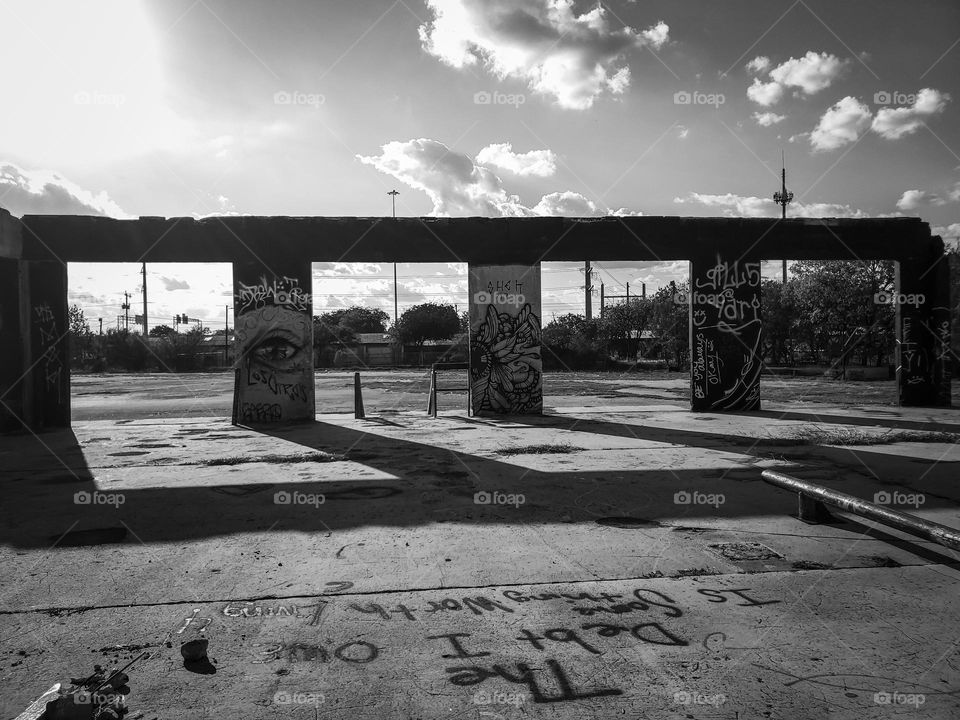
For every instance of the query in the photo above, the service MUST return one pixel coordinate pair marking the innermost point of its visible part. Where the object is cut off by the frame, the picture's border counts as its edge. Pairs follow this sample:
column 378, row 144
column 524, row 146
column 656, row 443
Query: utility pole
column 396, row 316
column 126, row 310
column 587, row 290
column 101, row 325
column 226, row 334
column 783, row 198
column 601, row 301
column 145, row 326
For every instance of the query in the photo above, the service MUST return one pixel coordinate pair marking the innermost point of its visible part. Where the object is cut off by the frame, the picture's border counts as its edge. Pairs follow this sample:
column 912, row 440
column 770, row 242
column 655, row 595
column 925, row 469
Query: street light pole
column 393, row 202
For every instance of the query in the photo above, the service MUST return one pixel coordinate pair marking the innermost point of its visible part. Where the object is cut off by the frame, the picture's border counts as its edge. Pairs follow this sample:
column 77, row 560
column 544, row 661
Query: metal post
column 357, row 398
column 226, row 337
column 145, row 325
column 601, row 301
column 587, row 290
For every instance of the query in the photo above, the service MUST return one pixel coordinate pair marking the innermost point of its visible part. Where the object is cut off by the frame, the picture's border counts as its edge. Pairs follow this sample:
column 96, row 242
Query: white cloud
column 540, row 163
column 947, row 232
column 841, row 124
column 894, row 123
column 732, row 205
column 567, row 204
column 913, row 199
column 40, row 192
column 572, row 58
column 458, row 186
column 766, row 119
column 758, row 65
column 765, row 94
column 809, row 74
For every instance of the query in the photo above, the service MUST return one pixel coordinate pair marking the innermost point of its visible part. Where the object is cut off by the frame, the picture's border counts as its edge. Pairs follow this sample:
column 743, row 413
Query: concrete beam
column 474, row 240
column 11, row 241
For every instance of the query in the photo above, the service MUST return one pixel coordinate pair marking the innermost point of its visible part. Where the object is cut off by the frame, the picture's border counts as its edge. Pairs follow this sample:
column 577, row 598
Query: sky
column 469, row 107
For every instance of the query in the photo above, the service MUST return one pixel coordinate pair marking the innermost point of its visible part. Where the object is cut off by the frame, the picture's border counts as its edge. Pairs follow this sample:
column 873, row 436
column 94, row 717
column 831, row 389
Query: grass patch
column 855, row 436
column 318, row 457
column 547, row 449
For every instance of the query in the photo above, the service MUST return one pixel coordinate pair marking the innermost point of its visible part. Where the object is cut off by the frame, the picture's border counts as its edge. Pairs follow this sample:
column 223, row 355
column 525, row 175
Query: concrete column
column 44, row 320
column 506, row 370
column 725, row 329
column 11, row 347
column 273, row 313
column 922, row 299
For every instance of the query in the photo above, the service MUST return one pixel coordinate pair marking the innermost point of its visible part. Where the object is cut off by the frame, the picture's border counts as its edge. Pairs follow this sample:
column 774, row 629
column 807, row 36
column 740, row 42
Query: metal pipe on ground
column 820, row 496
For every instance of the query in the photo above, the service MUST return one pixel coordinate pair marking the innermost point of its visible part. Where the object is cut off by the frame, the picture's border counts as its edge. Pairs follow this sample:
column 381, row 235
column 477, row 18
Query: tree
column 572, row 342
column 340, row 327
column 669, row 323
column 80, row 337
column 162, row 331
column 779, row 313
column 839, row 310
column 626, row 322
column 76, row 322
column 429, row 321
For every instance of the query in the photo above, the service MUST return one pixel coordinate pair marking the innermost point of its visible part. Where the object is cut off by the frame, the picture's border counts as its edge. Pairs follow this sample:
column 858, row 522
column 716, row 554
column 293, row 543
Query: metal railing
column 814, row 498
column 434, row 389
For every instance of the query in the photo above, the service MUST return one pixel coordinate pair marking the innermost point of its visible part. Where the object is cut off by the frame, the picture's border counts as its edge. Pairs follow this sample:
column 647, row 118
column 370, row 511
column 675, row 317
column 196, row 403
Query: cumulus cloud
column 808, row 74
column 540, row 163
column 765, row 94
column 174, row 284
column 732, row 205
column 39, row 192
column 894, row 123
column 842, row 123
column 758, row 65
column 572, row 58
column 458, row 186
column 949, row 232
column 766, row 119
column 567, row 204
column 913, row 199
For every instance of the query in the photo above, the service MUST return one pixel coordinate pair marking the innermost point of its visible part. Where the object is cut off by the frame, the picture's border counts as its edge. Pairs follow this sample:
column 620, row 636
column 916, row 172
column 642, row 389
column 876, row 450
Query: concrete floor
column 639, row 568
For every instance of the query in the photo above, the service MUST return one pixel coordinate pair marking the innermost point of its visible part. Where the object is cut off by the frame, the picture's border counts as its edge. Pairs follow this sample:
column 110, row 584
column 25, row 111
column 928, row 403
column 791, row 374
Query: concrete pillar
column 506, row 370
column 922, row 299
column 725, row 330
column 44, row 323
column 273, row 313
column 11, row 347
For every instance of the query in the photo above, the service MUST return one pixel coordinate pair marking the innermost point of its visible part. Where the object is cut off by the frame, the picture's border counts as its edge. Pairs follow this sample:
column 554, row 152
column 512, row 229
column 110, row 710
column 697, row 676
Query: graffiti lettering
column 283, row 292
column 260, row 412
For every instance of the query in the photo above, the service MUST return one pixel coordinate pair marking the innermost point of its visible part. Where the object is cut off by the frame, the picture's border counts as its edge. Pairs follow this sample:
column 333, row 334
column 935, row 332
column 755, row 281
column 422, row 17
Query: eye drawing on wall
column 505, row 361
column 273, row 338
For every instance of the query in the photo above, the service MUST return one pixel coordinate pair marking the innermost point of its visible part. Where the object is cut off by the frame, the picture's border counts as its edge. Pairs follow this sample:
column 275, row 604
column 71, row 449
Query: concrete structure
column 271, row 257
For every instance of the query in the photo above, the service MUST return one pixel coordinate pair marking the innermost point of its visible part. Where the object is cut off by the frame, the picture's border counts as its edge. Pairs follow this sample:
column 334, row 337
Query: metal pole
column 145, row 326
column 601, row 301
column 226, row 337
column 396, row 315
column 940, row 534
column 628, row 293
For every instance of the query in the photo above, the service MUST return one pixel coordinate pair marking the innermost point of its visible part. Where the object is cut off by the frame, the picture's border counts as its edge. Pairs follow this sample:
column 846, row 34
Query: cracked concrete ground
column 409, row 567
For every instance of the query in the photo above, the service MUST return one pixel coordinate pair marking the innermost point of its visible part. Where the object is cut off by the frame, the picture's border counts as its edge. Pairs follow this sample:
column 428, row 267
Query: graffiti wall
column 274, row 341
column 725, row 328
column 506, row 369
column 922, row 301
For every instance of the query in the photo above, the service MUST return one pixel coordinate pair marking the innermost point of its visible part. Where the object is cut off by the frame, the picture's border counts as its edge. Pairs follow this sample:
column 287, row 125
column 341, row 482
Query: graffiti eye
column 275, row 351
